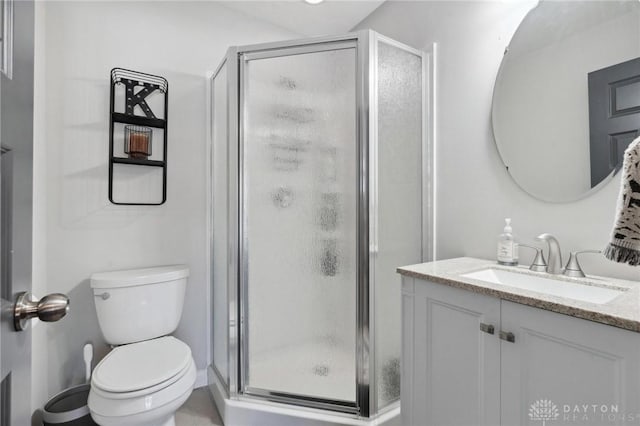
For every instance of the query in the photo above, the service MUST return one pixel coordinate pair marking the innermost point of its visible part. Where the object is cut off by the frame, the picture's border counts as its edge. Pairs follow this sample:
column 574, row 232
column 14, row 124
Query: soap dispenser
column 507, row 246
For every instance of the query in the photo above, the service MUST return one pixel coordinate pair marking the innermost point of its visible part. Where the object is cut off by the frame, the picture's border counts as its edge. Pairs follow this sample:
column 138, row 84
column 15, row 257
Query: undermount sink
column 572, row 290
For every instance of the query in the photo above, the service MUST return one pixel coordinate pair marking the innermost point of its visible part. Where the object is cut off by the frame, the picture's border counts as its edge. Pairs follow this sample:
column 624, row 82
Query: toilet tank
column 139, row 304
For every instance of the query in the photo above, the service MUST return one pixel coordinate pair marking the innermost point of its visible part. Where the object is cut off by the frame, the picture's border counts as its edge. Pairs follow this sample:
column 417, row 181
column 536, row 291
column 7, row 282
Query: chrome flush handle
column 103, row 296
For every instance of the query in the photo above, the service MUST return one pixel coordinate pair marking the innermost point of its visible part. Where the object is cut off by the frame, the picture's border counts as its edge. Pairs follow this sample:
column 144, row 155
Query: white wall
column 80, row 232
column 474, row 192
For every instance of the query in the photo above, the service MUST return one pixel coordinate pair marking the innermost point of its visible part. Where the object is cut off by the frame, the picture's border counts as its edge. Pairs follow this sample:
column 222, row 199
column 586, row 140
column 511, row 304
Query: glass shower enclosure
column 317, row 196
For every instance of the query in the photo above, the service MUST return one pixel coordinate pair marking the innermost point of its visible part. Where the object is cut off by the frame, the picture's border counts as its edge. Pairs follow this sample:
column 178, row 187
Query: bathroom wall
column 474, row 192
column 78, row 231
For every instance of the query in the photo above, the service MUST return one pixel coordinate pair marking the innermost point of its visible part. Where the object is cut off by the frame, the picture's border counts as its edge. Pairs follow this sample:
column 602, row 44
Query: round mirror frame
column 494, row 126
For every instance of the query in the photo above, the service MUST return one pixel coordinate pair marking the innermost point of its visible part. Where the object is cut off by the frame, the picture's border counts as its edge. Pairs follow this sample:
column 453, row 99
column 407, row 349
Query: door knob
column 49, row 309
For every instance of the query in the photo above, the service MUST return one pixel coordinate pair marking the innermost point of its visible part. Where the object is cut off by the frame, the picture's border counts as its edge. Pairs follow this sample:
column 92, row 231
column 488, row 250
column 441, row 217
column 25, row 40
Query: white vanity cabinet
column 568, row 361
column 455, row 372
column 450, row 368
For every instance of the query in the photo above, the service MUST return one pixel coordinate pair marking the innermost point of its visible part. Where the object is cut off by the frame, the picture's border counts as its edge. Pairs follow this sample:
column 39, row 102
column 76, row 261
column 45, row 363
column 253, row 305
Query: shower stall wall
column 319, row 181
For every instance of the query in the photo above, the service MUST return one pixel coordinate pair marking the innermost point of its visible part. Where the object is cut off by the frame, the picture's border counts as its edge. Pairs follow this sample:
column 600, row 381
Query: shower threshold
column 246, row 410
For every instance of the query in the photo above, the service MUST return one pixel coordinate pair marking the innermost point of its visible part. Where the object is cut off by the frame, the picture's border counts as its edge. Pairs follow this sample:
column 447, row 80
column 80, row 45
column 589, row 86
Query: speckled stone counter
column 622, row 312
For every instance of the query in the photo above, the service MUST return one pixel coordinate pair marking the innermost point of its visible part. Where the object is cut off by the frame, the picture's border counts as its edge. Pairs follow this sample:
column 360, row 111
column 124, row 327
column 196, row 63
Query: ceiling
column 328, row 17
column 552, row 21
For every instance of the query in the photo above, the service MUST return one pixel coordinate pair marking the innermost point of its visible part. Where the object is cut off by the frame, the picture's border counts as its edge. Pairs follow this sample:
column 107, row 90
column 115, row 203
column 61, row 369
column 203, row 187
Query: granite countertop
column 623, row 311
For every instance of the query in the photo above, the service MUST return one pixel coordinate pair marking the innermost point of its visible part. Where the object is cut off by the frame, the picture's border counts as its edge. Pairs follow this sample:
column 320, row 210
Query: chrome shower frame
column 365, row 44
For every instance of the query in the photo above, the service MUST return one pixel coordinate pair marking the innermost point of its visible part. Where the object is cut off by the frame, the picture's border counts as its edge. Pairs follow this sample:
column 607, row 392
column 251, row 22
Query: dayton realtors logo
column 543, row 410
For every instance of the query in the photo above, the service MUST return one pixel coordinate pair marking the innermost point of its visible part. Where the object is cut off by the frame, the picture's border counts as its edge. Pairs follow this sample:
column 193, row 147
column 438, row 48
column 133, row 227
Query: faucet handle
column 538, row 264
column 573, row 268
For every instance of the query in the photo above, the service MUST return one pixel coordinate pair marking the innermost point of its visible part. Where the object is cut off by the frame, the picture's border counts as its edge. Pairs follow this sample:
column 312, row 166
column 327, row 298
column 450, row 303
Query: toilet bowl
column 145, row 379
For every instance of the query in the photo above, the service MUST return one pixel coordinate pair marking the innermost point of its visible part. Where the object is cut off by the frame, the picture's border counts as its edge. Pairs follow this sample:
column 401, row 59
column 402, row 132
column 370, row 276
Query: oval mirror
column 567, row 97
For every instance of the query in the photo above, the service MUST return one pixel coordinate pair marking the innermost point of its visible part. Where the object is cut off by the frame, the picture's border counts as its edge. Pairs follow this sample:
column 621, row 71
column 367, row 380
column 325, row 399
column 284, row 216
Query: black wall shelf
column 142, row 121
column 134, row 87
column 139, row 162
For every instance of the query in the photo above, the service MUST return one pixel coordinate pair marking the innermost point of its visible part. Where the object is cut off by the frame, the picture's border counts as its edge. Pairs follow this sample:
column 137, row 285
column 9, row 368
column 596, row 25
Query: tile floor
column 198, row 410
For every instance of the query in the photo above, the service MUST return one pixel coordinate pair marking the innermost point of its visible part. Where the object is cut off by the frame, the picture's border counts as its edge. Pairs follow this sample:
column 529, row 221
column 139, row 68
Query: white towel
column 624, row 246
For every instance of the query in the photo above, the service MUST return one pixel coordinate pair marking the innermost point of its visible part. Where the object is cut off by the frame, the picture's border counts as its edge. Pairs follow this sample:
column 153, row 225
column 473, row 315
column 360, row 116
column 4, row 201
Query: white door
column 16, row 196
column 451, row 356
column 16, row 142
column 563, row 369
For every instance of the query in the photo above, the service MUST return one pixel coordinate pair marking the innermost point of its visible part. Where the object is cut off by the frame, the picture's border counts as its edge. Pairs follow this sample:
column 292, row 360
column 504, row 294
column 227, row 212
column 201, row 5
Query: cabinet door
column 567, row 369
column 450, row 367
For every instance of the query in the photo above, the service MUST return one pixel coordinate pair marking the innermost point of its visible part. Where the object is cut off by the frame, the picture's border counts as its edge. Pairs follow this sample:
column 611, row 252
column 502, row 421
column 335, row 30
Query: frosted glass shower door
column 298, row 221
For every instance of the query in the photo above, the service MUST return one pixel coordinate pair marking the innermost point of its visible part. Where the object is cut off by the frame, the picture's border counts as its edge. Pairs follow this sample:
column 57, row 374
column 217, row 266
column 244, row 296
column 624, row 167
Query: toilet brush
column 88, row 356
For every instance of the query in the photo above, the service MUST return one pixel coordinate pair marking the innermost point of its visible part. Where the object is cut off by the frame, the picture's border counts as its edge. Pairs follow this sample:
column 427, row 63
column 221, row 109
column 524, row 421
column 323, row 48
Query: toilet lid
column 141, row 365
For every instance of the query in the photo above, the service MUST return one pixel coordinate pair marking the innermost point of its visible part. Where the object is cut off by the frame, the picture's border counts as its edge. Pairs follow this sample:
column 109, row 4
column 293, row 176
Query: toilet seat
column 141, row 392
column 142, row 366
column 166, row 361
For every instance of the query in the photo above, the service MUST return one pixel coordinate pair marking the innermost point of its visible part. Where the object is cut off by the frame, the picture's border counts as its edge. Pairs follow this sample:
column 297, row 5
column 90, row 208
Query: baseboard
column 201, row 378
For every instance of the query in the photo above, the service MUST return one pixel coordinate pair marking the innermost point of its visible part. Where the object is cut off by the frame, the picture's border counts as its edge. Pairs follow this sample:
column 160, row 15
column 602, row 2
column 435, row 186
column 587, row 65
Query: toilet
column 148, row 374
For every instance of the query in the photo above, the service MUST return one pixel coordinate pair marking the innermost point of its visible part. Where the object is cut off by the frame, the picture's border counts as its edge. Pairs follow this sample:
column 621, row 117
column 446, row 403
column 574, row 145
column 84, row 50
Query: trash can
column 69, row 408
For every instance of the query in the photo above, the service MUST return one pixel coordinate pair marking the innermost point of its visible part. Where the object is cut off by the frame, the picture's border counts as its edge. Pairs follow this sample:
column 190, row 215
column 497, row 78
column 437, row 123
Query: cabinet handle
column 487, row 328
column 508, row 336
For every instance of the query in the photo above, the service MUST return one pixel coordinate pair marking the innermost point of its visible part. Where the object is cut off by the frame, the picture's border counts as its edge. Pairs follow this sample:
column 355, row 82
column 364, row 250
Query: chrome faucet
column 554, row 265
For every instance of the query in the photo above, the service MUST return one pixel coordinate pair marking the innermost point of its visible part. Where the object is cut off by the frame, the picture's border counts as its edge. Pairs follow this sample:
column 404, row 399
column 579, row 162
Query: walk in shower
column 319, row 191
